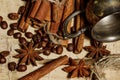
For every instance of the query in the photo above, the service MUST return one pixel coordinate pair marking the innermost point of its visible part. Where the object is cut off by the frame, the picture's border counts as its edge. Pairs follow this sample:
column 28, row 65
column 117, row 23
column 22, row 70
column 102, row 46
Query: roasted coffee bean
column 28, row 34
column 17, row 35
column 22, row 40
column 10, row 32
column 13, row 16
column 39, row 32
column 4, row 53
column 53, row 49
column 1, row 18
column 2, row 59
column 43, row 44
column 12, row 66
column 36, row 38
column 4, row 25
column 70, row 47
column 49, row 44
column 46, row 51
column 59, row 49
column 14, row 26
column 45, row 38
column 21, row 10
column 21, row 68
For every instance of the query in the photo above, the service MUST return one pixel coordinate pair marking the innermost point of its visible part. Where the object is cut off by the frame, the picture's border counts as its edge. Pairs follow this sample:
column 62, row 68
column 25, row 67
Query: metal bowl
column 97, row 9
column 108, row 28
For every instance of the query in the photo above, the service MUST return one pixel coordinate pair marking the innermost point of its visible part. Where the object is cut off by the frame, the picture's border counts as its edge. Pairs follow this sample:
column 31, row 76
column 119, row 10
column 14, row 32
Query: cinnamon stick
column 37, row 74
column 69, row 8
column 35, row 7
column 22, row 22
column 43, row 10
column 57, row 12
column 78, row 24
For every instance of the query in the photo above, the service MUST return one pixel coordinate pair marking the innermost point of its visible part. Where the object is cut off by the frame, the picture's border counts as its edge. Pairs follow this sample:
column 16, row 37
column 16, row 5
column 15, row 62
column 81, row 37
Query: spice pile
column 49, row 14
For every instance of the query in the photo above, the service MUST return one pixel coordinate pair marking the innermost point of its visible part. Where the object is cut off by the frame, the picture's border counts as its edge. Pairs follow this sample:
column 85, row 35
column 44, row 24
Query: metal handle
column 67, row 35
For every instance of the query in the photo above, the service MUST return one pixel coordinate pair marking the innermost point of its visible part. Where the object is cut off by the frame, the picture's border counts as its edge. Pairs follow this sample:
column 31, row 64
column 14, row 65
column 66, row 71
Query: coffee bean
column 36, row 38
column 43, row 44
column 21, row 68
column 59, row 49
column 2, row 59
column 21, row 10
column 70, row 47
column 45, row 38
column 10, row 32
column 4, row 53
column 14, row 26
column 22, row 40
column 12, row 66
column 53, row 50
column 28, row 34
column 4, row 25
column 46, row 51
column 1, row 18
column 13, row 16
column 17, row 35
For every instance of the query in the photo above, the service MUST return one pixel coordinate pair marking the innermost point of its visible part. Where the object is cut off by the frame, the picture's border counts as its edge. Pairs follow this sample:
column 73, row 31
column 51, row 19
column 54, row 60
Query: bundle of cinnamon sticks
column 79, row 23
column 38, row 12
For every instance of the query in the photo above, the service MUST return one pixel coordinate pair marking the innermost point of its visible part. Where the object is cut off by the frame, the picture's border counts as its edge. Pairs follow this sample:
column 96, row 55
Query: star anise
column 77, row 69
column 97, row 50
column 28, row 54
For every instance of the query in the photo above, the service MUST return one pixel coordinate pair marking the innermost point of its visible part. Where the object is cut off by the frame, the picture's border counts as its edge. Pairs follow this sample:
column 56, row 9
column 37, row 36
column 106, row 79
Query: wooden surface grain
column 9, row 43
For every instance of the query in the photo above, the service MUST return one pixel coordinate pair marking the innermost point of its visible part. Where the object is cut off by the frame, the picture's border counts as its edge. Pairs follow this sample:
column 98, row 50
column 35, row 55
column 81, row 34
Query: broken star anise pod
column 79, row 69
column 97, row 50
column 28, row 54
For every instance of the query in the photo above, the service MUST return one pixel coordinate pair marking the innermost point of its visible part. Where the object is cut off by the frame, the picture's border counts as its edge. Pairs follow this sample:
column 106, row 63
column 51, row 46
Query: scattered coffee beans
column 12, row 66
column 13, row 16
column 14, row 26
column 17, row 35
column 2, row 59
column 4, row 25
column 28, row 34
column 10, row 32
column 21, row 68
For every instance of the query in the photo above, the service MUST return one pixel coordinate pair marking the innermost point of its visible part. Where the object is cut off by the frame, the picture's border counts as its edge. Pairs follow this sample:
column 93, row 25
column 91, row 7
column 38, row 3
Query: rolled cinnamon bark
column 43, row 10
column 37, row 74
column 69, row 8
column 22, row 22
column 78, row 24
column 56, row 13
column 35, row 8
